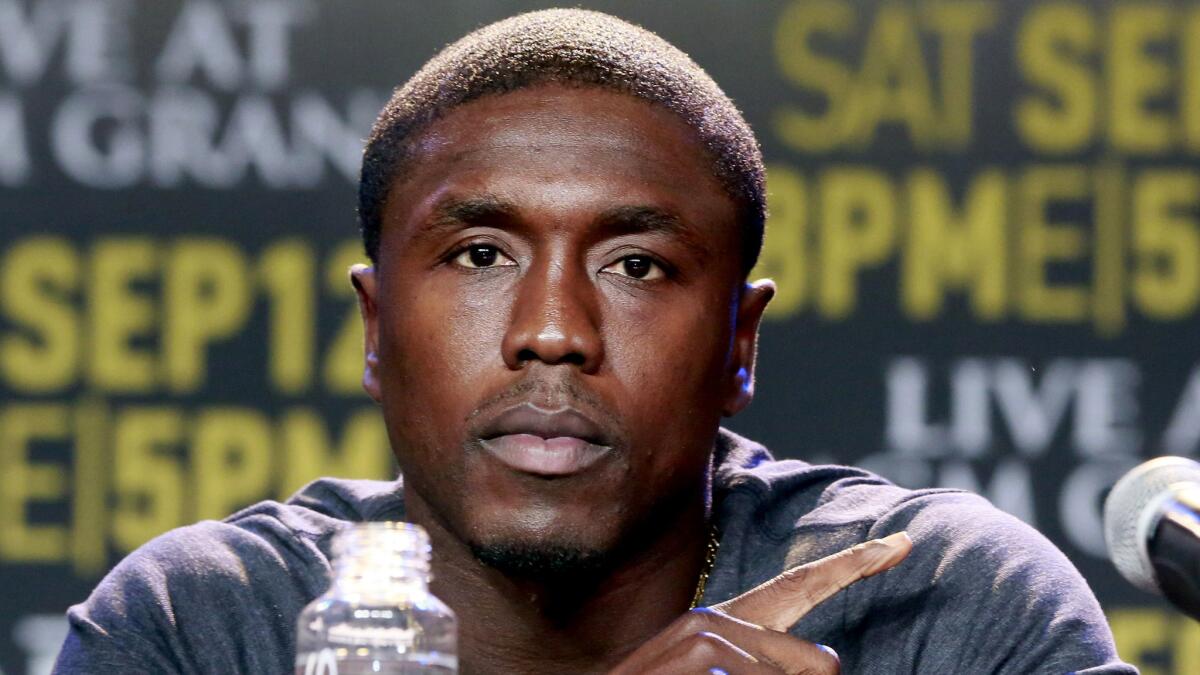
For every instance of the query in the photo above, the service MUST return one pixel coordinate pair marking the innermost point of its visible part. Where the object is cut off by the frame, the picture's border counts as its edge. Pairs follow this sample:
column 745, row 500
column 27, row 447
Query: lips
column 542, row 442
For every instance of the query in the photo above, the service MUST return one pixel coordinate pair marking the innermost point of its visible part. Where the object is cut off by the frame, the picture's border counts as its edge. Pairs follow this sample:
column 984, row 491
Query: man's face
column 553, row 330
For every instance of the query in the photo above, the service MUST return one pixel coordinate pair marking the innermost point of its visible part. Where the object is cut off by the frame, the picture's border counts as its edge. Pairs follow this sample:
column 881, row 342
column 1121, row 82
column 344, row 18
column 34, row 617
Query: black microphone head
column 1132, row 512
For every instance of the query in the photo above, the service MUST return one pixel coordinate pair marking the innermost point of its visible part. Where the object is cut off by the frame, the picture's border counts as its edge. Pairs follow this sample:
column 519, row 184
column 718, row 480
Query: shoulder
column 989, row 589
column 809, row 511
column 263, row 539
column 780, row 503
column 192, row 596
column 219, row 592
column 981, row 591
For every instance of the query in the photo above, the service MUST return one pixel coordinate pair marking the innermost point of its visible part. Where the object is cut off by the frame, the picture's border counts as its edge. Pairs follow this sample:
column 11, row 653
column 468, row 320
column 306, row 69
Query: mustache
column 548, row 394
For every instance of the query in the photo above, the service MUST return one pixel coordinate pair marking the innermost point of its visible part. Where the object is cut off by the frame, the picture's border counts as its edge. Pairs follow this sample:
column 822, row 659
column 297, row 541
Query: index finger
column 780, row 602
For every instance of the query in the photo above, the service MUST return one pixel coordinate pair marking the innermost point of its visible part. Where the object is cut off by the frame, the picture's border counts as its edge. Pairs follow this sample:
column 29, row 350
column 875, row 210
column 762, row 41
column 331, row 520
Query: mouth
column 542, row 442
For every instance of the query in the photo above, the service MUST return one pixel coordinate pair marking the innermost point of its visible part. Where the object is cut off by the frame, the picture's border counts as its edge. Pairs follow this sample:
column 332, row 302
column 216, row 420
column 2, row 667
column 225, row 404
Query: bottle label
column 323, row 662
column 332, row 661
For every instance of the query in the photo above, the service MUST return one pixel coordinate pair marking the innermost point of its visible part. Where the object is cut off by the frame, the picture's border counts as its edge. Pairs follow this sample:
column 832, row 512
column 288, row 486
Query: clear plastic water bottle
column 378, row 615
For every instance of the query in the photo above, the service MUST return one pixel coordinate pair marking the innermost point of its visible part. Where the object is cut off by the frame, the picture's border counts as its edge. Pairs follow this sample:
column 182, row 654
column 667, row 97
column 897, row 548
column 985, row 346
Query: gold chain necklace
column 710, row 556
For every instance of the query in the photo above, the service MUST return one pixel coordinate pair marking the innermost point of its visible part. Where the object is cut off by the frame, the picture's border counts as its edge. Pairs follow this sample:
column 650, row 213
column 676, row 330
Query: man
column 561, row 211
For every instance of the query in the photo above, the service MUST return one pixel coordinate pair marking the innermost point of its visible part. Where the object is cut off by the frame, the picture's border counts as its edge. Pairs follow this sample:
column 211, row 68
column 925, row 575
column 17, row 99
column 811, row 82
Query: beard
column 545, row 562
column 565, row 576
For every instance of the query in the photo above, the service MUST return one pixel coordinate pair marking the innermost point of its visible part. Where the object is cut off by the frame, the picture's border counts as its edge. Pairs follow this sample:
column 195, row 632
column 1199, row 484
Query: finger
column 790, row 654
column 784, row 600
column 706, row 652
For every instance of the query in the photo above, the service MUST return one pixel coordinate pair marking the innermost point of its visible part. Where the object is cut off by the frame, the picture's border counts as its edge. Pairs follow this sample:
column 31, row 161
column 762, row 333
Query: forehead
column 565, row 149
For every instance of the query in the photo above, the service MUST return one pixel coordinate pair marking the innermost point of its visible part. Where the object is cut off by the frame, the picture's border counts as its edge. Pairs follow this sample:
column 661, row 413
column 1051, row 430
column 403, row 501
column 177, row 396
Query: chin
column 542, row 541
column 541, row 561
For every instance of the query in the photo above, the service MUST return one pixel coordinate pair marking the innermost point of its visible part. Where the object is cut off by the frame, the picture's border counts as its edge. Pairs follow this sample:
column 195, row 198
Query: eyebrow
column 455, row 212
column 650, row 220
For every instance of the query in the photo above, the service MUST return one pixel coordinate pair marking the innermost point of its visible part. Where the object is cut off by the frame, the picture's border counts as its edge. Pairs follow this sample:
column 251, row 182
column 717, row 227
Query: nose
column 554, row 320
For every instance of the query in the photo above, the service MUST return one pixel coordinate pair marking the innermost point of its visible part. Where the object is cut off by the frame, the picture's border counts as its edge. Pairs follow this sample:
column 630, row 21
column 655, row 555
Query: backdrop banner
column 985, row 230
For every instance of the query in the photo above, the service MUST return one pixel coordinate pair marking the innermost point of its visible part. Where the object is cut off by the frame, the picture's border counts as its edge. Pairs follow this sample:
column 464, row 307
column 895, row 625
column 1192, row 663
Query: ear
column 365, row 285
column 751, row 305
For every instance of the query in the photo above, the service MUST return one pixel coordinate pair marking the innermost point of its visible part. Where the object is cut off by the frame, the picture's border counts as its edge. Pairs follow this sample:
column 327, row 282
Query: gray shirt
column 981, row 592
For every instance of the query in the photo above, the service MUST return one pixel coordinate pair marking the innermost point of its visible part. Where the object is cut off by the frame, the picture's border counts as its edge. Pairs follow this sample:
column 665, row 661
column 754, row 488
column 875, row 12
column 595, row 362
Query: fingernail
column 891, row 544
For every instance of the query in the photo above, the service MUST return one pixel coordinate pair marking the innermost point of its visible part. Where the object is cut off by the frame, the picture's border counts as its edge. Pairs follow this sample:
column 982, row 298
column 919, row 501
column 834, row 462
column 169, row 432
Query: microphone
column 1152, row 527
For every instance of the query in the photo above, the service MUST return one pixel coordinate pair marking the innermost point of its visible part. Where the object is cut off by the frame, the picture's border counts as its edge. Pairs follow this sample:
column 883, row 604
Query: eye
column 636, row 266
column 482, row 256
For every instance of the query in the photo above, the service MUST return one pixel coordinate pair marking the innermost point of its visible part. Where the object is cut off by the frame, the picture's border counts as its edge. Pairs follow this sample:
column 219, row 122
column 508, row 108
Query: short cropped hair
column 569, row 47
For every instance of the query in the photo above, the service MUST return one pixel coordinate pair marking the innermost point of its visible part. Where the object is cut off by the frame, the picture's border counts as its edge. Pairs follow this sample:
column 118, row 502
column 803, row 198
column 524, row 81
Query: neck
column 568, row 625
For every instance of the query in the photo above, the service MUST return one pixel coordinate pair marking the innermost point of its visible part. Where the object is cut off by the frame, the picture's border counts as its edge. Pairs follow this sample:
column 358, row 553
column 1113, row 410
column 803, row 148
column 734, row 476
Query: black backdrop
column 985, row 228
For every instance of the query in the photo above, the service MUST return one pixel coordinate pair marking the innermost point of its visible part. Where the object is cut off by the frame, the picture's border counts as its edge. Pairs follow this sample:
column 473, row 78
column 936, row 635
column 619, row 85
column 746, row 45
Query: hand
column 748, row 633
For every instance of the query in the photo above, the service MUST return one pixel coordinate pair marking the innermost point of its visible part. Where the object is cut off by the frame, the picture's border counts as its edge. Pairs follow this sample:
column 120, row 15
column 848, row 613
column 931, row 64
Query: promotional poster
column 984, row 228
